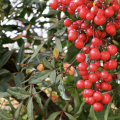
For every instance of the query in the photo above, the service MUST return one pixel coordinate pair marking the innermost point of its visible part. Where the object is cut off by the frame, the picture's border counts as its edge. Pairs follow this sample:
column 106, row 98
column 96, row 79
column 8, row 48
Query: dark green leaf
column 37, row 50
column 19, row 57
column 18, row 78
column 92, row 115
column 58, row 78
column 58, row 44
column 5, row 58
column 53, row 116
column 4, row 115
column 4, row 87
column 30, row 109
column 11, row 106
column 62, row 92
column 7, row 78
column 76, row 101
column 16, row 114
column 71, row 54
column 38, row 99
column 41, row 5
column 38, row 77
column 47, row 64
column 3, row 71
column 4, row 94
column 60, row 32
column 53, row 76
column 70, row 116
column 53, row 63
column 47, row 102
column 18, row 93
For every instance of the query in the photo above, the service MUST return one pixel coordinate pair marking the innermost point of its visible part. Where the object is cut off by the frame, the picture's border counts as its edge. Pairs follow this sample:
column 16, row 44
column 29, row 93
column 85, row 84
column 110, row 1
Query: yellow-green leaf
column 115, row 42
column 56, row 53
column 17, row 37
column 28, row 27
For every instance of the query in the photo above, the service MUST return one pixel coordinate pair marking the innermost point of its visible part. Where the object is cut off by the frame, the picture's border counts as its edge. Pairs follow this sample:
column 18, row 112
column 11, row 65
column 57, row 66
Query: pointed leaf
column 17, row 37
column 119, row 2
column 3, row 71
column 70, row 116
column 30, row 109
column 38, row 99
column 5, row 58
column 47, row 64
column 58, row 44
column 56, row 53
column 76, row 101
column 62, row 92
column 115, row 42
column 18, row 78
column 4, row 94
column 60, row 32
column 53, row 76
column 108, row 109
column 16, row 114
column 28, row 27
column 58, row 78
column 47, row 102
column 53, row 116
column 53, row 62
column 18, row 93
column 38, row 77
column 4, row 87
column 37, row 50
column 4, row 115
column 107, row 2
column 92, row 115
column 19, row 57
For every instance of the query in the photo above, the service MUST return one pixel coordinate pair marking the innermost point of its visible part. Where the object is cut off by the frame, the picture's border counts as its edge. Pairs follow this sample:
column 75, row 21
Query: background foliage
column 39, row 98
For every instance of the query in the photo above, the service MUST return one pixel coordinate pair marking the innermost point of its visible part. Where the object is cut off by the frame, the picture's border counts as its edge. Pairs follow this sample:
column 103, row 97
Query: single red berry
column 88, row 92
column 109, row 12
column 105, row 55
column 70, row 11
column 92, row 67
column 98, row 96
column 89, row 16
column 110, row 29
column 89, row 32
column 67, row 22
column 72, row 6
column 115, row 7
column 105, row 66
column 91, row 100
column 100, row 19
column 97, row 63
column 83, row 12
column 95, row 41
column 97, row 106
column 114, row 75
column 72, row 36
column 93, row 77
column 82, row 36
column 104, row 74
column 105, row 86
column 106, row 98
column 83, row 73
column 79, row 44
column 94, row 10
column 98, row 86
column 54, row 4
column 85, row 77
column 101, row 12
column 98, row 74
column 82, row 66
column 108, row 79
column 87, row 99
column 87, row 84
column 65, row 2
column 80, row 84
column 112, row 49
column 62, row 8
column 80, row 57
column 112, row 64
column 86, row 49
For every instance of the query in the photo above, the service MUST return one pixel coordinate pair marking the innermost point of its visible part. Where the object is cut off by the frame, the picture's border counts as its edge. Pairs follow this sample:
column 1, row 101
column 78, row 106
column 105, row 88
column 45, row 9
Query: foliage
column 33, row 89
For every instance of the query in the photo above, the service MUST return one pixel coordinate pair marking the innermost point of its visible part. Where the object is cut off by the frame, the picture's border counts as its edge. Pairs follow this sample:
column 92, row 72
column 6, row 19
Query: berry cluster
column 91, row 16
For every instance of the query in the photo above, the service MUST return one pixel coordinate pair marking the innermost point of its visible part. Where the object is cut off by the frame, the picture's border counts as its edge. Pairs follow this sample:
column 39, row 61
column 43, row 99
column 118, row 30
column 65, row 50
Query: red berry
column 112, row 64
column 98, row 96
column 80, row 57
column 98, row 86
column 106, row 98
column 88, row 92
column 97, row 63
column 93, row 77
column 114, row 75
column 110, row 29
column 104, row 74
column 105, row 55
column 100, row 19
column 89, row 32
column 72, row 36
column 54, row 4
column 82, row 66
column 91, row 100
column 83, row 12
column 86, row 50
column 80, row 84
column 89, row 16
column 79, row 44
column 85, row 77
column 83, row 73
column 97, row 106
column 95, row 41
column 94, row 10
column 87, row 99
column 92, row 67
column 82, row 36
column 112, row 49
column 94, row 54
column 87, row 84
column 105, row 86
column 105, row 66
column 109, row 12
column 67, row 22
column 115, row 7
column 108, row 79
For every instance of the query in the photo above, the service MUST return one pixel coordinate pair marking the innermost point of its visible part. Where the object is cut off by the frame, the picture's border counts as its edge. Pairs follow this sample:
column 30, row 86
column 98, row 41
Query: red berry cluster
column 92, row 15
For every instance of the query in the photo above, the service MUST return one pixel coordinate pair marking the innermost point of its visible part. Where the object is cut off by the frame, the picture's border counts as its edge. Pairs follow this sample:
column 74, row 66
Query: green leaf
column 18, row 93
column 60, row 32
column 53, row 63
column 38, row 99
column 37, row 50
column 19, row 57
column 4, row 87
column 7, row 78
column 71, row 54
column 58, row 78
column 47, row 64
column 4, row 94
column 38, row 77
column 47, row 102
column 76, row 101
column 3, row 71
column 16, row 114
column 108, row 109
column 5, row 115
column 58, row 44
column 5, row 58
column 53, row 76
column 53, row 116
column 92, row 115
column 18, row 78
column 41, row 5
column 80, row 109
column 62, row 92
column 70, row 116
column 119, row 2
column 30, row 109
column 11, row 106
column 107, row 2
